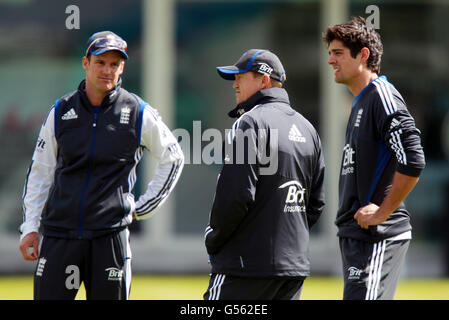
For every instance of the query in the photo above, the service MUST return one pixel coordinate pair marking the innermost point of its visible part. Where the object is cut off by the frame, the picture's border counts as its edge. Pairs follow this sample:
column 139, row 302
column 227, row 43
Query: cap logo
column 108, row 42
column 265, row 68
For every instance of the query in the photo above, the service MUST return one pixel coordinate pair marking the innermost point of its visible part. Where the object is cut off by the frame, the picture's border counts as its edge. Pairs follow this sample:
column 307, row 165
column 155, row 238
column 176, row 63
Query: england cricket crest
column 124, row 115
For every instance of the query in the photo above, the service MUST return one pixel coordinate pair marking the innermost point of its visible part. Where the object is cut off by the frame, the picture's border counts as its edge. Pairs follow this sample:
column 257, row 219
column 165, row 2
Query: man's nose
column 108, row 69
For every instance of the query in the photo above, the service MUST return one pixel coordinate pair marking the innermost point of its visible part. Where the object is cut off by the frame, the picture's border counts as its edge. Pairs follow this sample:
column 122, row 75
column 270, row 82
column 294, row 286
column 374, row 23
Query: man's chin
column 339, row 80
column 107, row 87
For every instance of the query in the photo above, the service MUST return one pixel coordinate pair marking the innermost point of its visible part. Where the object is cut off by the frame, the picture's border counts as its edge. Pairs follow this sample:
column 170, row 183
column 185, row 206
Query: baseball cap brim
column 229, row 72
column 103, row 50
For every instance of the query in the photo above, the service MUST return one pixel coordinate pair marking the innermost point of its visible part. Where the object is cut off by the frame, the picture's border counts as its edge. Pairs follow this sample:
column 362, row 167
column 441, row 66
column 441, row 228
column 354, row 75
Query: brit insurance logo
column 114, row 274
column 265, row 68
column 354, row 273
column 40, row 144
column 348, row 160
column 294, row 201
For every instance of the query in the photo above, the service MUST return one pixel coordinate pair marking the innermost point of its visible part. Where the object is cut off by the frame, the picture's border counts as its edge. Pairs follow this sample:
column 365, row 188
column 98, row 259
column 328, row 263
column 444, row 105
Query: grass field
column 157, row 287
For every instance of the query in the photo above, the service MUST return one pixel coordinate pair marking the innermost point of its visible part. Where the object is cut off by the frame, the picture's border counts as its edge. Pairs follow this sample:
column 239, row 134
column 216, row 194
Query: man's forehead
column 337, row 45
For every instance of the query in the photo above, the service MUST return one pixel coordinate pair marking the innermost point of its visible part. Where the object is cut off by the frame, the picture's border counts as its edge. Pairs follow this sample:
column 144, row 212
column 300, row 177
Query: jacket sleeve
column 164, row 147
column 398, row 131
column 317, row 194
column 39, row 177
column 236, row 186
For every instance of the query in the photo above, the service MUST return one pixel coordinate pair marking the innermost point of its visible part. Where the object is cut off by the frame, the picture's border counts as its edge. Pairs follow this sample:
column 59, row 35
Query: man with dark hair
column 382, row 161
column 82, row 176
column 258, row 233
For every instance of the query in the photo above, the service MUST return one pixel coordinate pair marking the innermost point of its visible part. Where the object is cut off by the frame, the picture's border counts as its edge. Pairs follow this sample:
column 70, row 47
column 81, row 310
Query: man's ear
column 122, row 66
column 266, row 82
column 365, row 55
column 85, row 62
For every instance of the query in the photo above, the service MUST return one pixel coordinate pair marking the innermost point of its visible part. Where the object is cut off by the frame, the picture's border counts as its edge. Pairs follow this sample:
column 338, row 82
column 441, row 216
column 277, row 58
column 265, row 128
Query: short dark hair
column 356, row 35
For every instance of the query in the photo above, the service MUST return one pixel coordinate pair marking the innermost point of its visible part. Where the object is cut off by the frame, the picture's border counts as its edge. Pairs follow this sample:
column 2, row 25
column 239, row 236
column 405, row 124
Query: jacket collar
column 108, row 100
column 260, row 97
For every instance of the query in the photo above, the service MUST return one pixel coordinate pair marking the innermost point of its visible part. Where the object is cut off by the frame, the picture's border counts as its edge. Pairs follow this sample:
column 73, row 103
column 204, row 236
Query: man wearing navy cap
column 82, row 176
column 258, row 232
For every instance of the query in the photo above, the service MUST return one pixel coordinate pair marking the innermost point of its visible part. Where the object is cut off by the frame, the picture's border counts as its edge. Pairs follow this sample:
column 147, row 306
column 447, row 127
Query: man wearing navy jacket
column 82, row 176
column 258, row 233
column 382, row 161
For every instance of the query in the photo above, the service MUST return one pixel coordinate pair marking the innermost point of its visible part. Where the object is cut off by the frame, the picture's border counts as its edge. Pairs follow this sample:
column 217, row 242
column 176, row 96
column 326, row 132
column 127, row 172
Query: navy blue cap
column 256, row 60
column 101, row 42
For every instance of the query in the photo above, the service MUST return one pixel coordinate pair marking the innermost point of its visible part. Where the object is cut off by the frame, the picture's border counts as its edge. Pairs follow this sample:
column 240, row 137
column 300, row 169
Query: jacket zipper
column 89, row 170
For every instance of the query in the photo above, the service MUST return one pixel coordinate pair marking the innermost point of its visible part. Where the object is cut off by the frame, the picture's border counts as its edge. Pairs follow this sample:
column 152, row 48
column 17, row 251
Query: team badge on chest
column 124, row 115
